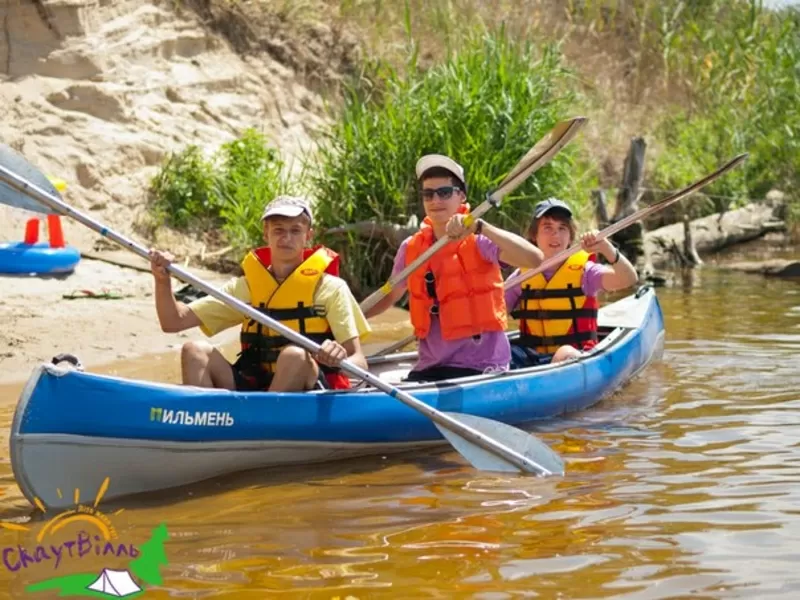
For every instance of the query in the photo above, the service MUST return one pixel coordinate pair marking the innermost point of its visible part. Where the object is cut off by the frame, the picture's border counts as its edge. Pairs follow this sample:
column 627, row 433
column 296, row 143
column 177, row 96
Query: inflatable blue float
column 40, row 258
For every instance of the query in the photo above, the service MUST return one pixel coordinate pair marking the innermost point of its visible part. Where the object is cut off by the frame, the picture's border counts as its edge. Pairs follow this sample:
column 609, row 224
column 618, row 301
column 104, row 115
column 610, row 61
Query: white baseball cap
column 430, row 161
column 288, row 206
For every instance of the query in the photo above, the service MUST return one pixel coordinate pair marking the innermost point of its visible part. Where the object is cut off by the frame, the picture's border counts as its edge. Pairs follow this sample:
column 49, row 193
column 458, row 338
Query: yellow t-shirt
column 343, row 312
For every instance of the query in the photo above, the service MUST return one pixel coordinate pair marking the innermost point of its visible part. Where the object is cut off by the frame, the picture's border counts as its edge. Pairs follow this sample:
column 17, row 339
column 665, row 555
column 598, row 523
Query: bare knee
column 565, row 353
column 198, row 352
column 296, row 359
column 203, row 365
column 292, row 354
column 294, row 370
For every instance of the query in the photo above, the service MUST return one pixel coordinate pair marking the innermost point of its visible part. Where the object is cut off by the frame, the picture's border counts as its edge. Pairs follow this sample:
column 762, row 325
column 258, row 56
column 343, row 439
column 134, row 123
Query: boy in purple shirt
column 443, row 190
column 553, row 230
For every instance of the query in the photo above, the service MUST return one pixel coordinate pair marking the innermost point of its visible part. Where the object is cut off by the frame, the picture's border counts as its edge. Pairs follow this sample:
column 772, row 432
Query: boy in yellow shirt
column 287, row 281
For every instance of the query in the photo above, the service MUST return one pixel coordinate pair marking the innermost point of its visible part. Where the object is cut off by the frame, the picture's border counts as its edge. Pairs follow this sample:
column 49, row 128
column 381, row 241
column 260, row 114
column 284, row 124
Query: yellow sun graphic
column 81, row 512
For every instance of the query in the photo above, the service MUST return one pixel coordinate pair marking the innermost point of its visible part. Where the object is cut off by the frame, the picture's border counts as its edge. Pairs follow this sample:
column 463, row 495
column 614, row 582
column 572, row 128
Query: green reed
column 483, row 81
column 226, row 192
column 743, row 63
column 712, row 77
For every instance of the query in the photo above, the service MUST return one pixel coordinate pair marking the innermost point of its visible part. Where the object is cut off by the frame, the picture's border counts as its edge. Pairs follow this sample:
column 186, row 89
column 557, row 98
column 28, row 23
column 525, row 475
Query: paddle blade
column 543, row 460
column 19, row 165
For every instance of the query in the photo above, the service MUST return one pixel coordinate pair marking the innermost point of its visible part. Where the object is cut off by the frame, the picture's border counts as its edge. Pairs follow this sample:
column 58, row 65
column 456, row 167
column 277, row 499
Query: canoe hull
column 146, row 436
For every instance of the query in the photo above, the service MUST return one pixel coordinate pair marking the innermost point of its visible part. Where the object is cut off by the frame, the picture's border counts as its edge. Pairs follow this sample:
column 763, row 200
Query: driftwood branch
column 714, row 232
column 689, row 250
column 632, row 178
column 394, row 234
column 776, row 267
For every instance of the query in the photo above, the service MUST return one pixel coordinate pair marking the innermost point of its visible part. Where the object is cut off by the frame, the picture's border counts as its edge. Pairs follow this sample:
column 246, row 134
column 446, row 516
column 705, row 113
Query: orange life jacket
column 556, row 312
column 460, row 286
column 290, row 302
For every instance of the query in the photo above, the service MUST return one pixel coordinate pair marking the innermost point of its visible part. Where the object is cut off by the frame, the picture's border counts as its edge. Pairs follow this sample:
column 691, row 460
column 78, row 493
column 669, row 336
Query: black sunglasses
column 444, row 192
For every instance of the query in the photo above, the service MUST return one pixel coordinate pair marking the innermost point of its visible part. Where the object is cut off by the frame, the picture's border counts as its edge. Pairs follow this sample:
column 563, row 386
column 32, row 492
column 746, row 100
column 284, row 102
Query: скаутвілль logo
column 56, row 546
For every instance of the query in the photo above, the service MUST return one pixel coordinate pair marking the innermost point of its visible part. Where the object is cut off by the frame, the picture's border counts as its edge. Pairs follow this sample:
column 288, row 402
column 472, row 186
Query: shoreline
column 119, row 323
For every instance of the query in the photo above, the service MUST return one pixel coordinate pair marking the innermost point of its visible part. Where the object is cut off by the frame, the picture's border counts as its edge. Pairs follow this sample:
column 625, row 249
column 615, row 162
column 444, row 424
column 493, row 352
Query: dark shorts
column 522, row 357
column 250, row 380
column 440, row 373
column 258, row 380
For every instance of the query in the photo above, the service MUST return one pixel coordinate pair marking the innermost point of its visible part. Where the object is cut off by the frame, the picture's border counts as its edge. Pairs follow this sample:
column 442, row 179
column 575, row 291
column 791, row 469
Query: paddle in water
column 556, row 260
column 538, row 156
column 486, row 444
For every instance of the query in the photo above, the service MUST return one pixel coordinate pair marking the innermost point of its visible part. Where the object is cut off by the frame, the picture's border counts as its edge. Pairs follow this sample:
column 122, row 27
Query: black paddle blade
column 19, row 165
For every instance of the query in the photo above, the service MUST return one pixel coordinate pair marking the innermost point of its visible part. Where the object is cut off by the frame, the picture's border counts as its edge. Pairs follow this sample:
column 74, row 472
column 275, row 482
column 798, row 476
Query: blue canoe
column 72, row 429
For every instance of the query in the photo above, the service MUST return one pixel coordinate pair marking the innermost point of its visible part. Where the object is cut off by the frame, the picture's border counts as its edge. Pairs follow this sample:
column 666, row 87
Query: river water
column 685, row 484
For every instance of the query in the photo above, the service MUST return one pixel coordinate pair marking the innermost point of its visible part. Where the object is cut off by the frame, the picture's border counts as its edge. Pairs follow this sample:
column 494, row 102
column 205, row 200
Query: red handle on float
column 32, row 231
column 54, row 231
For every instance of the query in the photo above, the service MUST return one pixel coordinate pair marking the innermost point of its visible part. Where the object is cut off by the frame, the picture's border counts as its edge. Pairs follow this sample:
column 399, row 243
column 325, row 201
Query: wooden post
column 631, row 239
column 689, row 250
column 600, row 210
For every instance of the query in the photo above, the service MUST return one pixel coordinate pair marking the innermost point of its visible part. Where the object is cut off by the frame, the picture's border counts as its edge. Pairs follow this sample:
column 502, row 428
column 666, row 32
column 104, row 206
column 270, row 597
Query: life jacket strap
column 265, row 349
column 534, row 341
column 299, row 312
column 542, row 315
column 430, row 287
column 571, row 292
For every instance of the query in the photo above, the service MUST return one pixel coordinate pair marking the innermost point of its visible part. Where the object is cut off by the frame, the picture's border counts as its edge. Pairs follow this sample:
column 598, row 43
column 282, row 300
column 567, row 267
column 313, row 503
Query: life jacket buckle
column 430, row 284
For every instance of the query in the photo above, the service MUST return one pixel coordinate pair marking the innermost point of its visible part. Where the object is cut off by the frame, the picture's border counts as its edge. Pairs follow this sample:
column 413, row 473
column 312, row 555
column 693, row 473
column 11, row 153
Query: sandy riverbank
column 38, row 322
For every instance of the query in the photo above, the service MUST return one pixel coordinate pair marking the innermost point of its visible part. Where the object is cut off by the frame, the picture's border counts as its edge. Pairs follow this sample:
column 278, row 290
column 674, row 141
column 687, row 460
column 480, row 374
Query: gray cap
column 549, row 204
column 288, row 206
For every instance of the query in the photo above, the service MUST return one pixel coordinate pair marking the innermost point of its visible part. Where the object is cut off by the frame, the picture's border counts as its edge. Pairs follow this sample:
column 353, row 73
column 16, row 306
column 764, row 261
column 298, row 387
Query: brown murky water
column 687, row 484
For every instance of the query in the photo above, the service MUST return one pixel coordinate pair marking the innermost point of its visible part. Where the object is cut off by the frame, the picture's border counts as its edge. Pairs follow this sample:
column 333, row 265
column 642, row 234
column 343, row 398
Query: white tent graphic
column 114, row 583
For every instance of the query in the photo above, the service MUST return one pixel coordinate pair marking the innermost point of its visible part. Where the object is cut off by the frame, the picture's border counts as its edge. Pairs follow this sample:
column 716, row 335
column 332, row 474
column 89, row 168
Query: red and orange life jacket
column 290, row 302
column 458, row 284
column 556, row 312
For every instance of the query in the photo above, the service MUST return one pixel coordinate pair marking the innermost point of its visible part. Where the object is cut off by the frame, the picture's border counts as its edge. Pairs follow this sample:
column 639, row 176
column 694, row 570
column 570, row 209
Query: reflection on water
column 682, row 485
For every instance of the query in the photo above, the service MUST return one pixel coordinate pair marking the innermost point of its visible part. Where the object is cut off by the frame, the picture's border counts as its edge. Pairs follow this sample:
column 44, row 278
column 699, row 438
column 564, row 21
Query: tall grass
column 701, row 80
column 745, row 75
column 485, row 106
column 226, row 192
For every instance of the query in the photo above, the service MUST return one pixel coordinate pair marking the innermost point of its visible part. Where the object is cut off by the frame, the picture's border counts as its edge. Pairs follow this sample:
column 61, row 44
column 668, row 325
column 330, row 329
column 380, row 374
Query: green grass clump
column 226, row 192
column 743, row 66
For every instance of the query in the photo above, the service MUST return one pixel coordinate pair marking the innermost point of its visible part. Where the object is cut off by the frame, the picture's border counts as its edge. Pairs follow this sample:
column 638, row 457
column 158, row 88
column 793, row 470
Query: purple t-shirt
column 591, row 282
column 490, row 352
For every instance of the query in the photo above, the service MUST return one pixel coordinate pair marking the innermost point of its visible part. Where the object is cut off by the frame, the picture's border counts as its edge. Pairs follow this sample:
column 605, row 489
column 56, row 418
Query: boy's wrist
column 614, row 259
